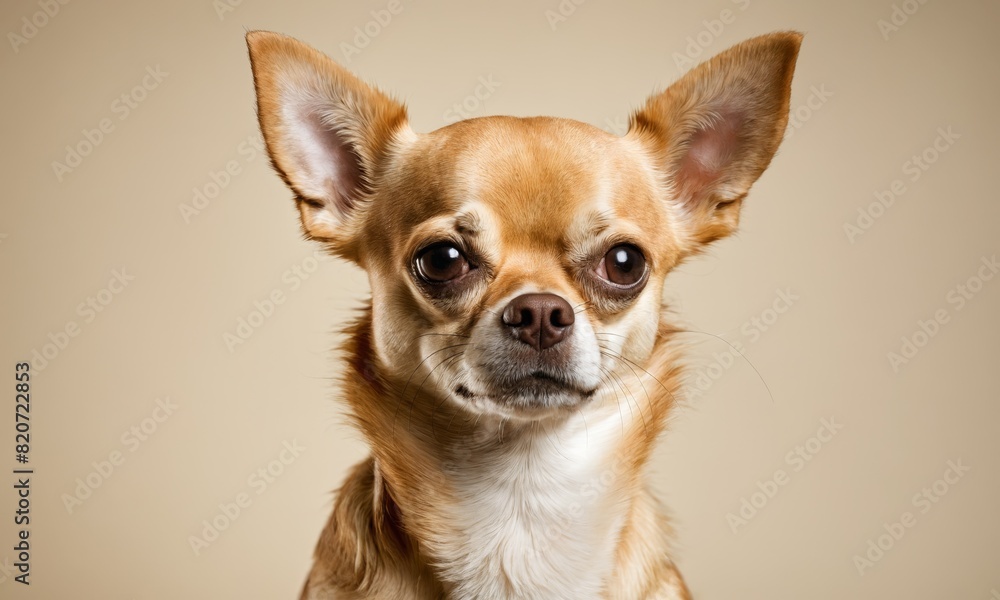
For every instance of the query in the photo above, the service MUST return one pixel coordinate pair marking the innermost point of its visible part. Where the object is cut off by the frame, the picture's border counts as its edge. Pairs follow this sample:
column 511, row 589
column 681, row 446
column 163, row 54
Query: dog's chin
column 533, row 397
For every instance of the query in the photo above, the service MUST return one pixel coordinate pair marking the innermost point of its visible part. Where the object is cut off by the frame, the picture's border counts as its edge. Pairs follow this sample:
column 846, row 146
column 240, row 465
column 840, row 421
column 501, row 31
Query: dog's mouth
column 543, row 380
column 542, row 377
column 531, row 392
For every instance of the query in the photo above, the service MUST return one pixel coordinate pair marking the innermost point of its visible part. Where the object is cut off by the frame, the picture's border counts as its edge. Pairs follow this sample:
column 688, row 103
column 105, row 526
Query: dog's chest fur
column 540, row 515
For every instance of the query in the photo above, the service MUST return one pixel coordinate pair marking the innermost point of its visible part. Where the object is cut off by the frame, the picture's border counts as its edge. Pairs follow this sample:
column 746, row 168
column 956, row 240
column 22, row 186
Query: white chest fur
column 541, row 514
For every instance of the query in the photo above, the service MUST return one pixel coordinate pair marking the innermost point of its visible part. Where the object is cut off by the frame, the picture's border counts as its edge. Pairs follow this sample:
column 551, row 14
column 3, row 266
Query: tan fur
column 536, row 201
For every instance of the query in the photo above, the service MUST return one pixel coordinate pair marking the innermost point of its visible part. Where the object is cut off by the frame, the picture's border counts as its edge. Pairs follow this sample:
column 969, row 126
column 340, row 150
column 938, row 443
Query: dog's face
column 517, row 265
column 525, row 255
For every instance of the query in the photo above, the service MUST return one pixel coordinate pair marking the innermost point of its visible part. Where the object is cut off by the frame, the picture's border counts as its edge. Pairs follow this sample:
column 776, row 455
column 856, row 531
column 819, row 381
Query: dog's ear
column 714, row 131
column 328, row 133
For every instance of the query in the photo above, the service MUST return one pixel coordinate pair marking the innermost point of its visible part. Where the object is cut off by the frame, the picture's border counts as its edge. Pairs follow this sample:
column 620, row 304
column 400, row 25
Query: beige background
column 883, row 100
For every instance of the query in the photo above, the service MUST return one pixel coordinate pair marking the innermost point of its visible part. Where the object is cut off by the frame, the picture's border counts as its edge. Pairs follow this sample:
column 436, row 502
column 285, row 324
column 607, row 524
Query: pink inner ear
column 346, row 184
column 331, row 166
column 710, row 151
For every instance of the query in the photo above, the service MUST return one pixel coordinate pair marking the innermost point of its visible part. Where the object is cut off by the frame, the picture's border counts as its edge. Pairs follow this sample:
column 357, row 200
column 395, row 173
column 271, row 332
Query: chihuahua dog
column 515, row 365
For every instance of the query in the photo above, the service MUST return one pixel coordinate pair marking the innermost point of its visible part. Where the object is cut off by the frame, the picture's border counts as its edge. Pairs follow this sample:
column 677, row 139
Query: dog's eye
column 441, row 263
column 623, row 265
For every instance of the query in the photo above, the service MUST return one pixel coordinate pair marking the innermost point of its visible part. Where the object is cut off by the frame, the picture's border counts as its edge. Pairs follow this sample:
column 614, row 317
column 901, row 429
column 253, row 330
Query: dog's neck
column 523, row 510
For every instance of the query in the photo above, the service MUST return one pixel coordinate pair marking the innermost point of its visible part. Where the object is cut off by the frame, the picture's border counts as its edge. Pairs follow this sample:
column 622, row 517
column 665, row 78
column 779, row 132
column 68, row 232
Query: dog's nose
column 539, row 320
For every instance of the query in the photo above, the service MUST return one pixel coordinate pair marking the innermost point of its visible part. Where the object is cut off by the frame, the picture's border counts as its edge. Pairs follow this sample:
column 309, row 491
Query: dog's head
column 517, row 264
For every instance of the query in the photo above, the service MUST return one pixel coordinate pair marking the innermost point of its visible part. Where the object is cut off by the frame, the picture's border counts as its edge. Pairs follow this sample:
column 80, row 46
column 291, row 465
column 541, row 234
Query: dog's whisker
column 461, row 335
column 416, row 392
column 638, row 366
column 737, row 350
column 452, row 419
column 718, row 337
column 618, row 399
column 642, row 384
column 444, row 400
column 628, row 393
column 585, row 306
column 638, row 405
column 402, row 393
column 625, row 361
